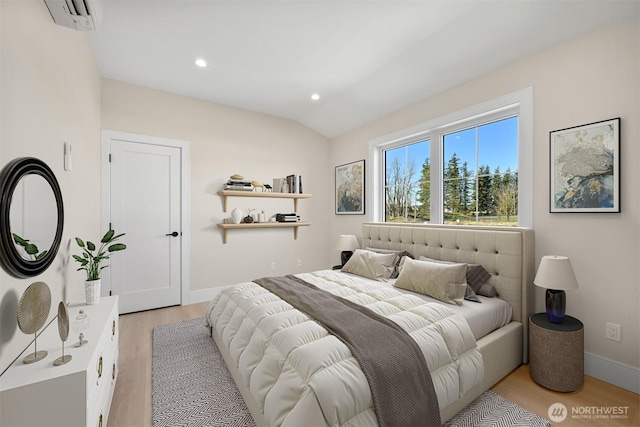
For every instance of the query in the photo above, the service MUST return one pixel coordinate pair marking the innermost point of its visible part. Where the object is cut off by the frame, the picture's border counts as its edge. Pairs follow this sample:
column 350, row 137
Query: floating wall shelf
column 294, row 196
column 294, row 225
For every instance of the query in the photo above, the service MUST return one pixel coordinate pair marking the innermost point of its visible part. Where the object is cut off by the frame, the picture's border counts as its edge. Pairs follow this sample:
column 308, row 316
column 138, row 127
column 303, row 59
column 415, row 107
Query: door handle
column 174, row 234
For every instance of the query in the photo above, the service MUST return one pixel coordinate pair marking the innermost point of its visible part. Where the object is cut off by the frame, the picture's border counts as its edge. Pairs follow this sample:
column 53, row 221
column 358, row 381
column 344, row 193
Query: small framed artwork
column 585, row 168
column 350, row 188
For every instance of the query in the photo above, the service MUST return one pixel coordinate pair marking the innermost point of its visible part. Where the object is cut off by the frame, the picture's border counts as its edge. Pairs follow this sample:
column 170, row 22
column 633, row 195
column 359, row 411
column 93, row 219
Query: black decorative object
column 347, row 243
column 556, row 301
column 345, row 256
column 12, row 261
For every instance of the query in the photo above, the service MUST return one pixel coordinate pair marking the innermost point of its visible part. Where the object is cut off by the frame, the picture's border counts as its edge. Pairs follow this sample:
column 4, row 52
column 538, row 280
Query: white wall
column 50, row 93
column 585, row 80
column 225, row 141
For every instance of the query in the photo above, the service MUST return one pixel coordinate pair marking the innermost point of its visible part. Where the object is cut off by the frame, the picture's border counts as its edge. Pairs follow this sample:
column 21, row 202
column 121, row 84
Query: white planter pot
column 92, row 290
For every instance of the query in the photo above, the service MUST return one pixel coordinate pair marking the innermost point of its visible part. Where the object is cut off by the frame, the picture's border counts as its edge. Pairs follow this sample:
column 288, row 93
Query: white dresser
column 75, row 394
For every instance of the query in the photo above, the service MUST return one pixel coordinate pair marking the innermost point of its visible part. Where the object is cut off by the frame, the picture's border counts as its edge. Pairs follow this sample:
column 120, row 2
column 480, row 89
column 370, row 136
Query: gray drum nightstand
column 556, row 352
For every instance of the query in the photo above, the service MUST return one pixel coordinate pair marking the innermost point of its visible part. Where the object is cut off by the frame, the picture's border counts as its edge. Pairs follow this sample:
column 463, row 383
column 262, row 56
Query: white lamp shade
column 556, row 272
column 347, row 242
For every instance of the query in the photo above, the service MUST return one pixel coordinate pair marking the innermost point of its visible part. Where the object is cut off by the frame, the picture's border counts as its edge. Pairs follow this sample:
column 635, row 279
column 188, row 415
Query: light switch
column 67, row 156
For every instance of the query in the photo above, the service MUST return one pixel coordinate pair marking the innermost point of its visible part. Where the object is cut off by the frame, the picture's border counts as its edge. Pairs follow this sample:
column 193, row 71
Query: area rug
column 191, row 386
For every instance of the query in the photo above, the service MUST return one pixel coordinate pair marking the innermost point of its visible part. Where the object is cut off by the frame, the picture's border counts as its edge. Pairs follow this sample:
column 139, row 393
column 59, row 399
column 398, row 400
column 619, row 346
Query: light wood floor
column 131, row 406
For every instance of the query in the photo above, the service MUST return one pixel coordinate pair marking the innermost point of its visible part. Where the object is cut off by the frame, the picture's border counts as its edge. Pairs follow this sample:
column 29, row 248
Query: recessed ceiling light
column 201, row 63
column 315, row 97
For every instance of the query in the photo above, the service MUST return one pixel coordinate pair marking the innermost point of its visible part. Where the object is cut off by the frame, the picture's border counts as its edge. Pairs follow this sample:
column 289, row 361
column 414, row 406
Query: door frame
column 185, row 161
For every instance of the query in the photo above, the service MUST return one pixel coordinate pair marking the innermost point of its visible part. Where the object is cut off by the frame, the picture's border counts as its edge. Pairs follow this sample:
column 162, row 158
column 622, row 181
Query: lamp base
column 556, row 303
column 344, row 257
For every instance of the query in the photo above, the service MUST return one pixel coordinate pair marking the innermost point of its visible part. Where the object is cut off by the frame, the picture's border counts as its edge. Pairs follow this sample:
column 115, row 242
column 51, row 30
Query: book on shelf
column 238, row 185
column 293, row 217
column 295, row 184
column 289, row 184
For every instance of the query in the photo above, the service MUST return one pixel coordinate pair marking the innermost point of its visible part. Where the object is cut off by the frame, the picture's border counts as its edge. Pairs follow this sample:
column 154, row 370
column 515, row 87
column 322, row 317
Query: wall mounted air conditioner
column 77, row 14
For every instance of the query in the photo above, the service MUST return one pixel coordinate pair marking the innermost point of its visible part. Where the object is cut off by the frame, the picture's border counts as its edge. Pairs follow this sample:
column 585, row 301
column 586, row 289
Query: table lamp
column 347, row 243
column 556, row 275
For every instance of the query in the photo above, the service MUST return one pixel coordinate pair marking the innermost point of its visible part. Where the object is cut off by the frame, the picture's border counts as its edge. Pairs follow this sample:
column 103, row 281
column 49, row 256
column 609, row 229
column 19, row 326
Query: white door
column 145, row 202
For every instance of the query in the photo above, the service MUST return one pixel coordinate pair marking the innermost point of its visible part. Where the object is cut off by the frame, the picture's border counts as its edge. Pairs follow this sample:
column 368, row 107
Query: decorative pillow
column 399, row 254
column 469, row 295
column 446, row 282
column 477, row 278
column 488, row 290
column 371, row 265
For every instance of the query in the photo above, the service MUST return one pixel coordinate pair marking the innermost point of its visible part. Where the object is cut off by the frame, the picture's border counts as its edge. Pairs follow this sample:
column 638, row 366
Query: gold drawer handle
column 100, row 421
column 113, row 373
column 99, row 368
column 113, row 329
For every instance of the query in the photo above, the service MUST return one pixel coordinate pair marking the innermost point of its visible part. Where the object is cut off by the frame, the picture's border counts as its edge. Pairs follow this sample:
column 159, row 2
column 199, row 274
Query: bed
column 285, row 391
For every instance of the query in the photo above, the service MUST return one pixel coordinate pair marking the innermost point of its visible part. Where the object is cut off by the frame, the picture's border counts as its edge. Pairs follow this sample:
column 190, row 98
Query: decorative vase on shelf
column 236, row 216
column 92, row 291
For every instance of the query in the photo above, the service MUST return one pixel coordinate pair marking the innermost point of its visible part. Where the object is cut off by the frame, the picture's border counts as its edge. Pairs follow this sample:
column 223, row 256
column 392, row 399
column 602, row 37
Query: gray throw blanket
column 398, row 376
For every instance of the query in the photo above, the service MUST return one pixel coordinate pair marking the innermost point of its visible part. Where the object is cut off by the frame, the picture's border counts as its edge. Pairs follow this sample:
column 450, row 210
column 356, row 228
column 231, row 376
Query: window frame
column 518, row 103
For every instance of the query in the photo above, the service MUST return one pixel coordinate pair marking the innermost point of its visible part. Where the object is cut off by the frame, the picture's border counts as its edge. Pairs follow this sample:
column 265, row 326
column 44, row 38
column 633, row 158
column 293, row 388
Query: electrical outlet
column 273, row 266
column 299, row 262
column 613, row 331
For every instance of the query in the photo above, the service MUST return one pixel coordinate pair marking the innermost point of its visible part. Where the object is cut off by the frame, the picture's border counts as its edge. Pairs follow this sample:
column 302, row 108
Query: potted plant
column 91, row 260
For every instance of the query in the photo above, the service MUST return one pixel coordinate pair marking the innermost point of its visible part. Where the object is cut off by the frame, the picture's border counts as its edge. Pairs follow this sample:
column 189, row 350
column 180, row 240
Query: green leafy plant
column 29, row 248
column 91, row 259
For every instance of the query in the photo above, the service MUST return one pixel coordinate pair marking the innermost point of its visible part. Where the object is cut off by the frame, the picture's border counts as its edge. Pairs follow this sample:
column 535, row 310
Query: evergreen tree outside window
column 472, row 166
column 472, row 193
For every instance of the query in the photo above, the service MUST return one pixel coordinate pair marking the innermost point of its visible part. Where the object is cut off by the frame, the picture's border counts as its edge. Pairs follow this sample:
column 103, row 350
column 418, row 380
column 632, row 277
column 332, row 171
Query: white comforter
column 299, row 374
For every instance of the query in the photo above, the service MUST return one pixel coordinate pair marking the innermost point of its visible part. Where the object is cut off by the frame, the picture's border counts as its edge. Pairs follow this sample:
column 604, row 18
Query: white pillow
column 371, row 265
column 446, row 282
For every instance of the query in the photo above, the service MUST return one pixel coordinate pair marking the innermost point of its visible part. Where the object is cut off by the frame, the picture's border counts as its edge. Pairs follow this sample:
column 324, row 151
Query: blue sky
column 497, row 146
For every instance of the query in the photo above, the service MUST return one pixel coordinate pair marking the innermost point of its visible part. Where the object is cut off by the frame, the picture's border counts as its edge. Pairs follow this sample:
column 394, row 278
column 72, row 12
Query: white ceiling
column 365, row 58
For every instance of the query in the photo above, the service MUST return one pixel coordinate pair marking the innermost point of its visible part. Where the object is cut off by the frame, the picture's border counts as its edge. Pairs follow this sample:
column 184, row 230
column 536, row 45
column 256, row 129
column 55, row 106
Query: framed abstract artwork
column 350, row 188
column 585, row 168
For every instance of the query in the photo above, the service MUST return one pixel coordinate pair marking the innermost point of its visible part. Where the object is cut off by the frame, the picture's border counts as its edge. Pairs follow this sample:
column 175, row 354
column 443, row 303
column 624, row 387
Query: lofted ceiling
column 364, row 58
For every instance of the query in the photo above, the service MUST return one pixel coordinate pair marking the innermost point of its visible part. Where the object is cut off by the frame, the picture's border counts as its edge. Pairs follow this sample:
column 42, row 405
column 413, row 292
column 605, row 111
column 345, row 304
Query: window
column 480, row 174
column 407, row 183
column 471, row 167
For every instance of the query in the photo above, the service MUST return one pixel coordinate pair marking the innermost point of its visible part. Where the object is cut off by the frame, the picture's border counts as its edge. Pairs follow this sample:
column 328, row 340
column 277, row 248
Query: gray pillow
column 488, row 290
column 470, row 295
column 477, row 276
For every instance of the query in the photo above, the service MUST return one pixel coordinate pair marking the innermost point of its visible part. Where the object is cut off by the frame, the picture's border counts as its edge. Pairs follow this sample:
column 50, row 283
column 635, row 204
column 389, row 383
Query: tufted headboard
column 508, row 253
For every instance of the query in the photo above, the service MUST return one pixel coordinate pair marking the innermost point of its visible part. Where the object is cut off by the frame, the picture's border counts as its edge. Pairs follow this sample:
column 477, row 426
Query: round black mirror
column 31, row 217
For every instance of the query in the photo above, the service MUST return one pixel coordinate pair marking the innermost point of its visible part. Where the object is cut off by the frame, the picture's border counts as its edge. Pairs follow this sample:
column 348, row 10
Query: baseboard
column 202, row 295
column 612, row 372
